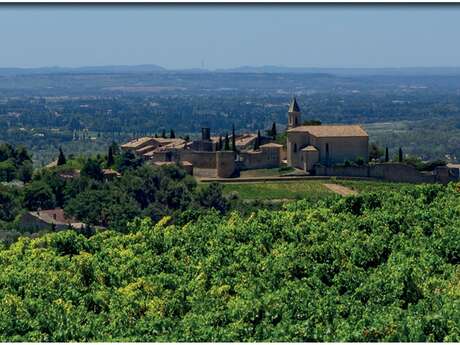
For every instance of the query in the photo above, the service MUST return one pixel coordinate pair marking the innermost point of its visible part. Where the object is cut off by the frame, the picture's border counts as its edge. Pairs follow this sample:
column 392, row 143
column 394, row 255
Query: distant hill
column 407, row 71
column 268, row 69
column 86, row 69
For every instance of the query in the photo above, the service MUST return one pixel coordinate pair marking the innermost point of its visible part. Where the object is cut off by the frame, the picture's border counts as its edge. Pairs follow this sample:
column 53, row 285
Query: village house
column 306, row 146
column 53, row 219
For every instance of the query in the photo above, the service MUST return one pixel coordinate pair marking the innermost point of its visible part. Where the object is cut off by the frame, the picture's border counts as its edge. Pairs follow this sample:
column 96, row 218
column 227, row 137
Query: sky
column 223, row 36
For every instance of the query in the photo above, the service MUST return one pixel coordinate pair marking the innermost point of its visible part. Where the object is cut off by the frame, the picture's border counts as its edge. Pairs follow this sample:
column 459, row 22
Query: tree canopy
column 372, row 267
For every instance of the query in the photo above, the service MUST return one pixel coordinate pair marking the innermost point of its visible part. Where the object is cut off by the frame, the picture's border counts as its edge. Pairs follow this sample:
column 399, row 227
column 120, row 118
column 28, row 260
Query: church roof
column 331, row 130
column 271, row 145
column 294, row 107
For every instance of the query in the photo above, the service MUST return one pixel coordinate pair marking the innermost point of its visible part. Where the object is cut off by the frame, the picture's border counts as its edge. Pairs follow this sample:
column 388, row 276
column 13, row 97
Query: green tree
column 22, row 156
column 7, row 170
column 92, row 169
column 172, row 135
column 400, row 155
column 9, row 206
column 7, row 151
column 25, row 171
column 110, row 158
column 128, row 160
column 226, row 143
column 212, row 196
column 233, row 139
column 273, row 131
column 387, row 156
column 220, row 144
column 38, row 195
column 375, row 152
column 61, row 159
column 257, row 141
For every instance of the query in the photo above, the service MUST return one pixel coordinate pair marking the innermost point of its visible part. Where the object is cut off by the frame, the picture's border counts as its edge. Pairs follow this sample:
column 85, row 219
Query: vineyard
column 373, row 267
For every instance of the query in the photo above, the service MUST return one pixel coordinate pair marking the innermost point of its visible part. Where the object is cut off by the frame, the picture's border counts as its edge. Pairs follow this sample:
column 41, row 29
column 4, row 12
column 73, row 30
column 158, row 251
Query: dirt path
column 336, row 188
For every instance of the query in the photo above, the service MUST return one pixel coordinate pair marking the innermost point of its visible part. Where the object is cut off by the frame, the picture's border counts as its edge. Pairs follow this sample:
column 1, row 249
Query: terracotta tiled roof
column 54, row 216
column 244, row 139
column 271, row 145
column 332, row 130
column 110, row 172
column 145, row 149
column 133, row 144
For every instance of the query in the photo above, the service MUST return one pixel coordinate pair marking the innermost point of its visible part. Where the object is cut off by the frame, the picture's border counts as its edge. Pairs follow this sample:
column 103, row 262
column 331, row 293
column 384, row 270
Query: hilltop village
column 215, row 156
column 322, row 150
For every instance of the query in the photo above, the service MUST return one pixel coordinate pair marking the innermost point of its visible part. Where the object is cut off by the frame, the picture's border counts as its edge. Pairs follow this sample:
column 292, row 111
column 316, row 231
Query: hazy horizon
column 216, row 36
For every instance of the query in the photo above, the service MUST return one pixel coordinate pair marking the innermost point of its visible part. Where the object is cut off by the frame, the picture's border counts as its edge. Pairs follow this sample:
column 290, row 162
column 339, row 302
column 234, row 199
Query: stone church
column 324, row 144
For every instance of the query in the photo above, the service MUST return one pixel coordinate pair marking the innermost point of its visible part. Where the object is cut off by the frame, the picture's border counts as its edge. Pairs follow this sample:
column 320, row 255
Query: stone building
column 145, row 145
column 267, row 156
column 54, row 219
column 324, row 144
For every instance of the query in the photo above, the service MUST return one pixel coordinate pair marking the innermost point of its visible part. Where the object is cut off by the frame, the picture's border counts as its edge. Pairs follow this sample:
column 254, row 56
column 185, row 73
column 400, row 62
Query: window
column 295, row 147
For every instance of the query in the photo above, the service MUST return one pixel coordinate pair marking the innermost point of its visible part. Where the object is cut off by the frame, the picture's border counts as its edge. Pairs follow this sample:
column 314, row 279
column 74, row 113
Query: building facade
column 323, row 144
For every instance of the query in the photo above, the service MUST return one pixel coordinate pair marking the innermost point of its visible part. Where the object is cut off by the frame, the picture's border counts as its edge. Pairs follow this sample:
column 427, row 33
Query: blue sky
column 179, row 36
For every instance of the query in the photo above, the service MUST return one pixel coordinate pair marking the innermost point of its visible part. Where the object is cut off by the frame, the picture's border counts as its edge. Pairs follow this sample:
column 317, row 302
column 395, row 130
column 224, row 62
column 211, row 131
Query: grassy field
column 371, row 186
column 265, row 172
column 311, row 190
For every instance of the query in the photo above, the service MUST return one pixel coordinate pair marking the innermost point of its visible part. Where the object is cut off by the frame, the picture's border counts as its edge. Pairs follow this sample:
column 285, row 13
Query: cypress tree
column 61, row 159
column 233, row 139
column 387, row 157
column 220, row 144
column 110, row 159
column 172, row 135
column 257, row 141
column 274, row 134
column 227, row 143
column 400, row 155
column 163, row 133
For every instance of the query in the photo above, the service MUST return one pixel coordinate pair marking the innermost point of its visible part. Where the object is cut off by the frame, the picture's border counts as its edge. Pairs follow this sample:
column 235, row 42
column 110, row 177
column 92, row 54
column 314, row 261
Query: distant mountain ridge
column 84, row 69
column 152, row 68
column 345, row 70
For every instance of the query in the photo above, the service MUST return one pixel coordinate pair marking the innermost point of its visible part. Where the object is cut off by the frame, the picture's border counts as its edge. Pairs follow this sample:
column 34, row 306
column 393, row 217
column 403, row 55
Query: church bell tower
column 293, row 114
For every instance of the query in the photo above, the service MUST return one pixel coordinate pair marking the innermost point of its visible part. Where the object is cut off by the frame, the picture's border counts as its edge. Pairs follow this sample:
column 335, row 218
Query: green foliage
column 375, row 152
column 282, row 138
column 15, row 163
column 374, row 267
column 110, row 159
column 233, row 139
column 61, row 158
column 280, row 191
column 92, row 169
column 7, row 170
column 38, row 195
column 211, row 196
column 421, row 165
column 128, row 160
column 9, row 205
column 273, row 131
column 226, row 143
